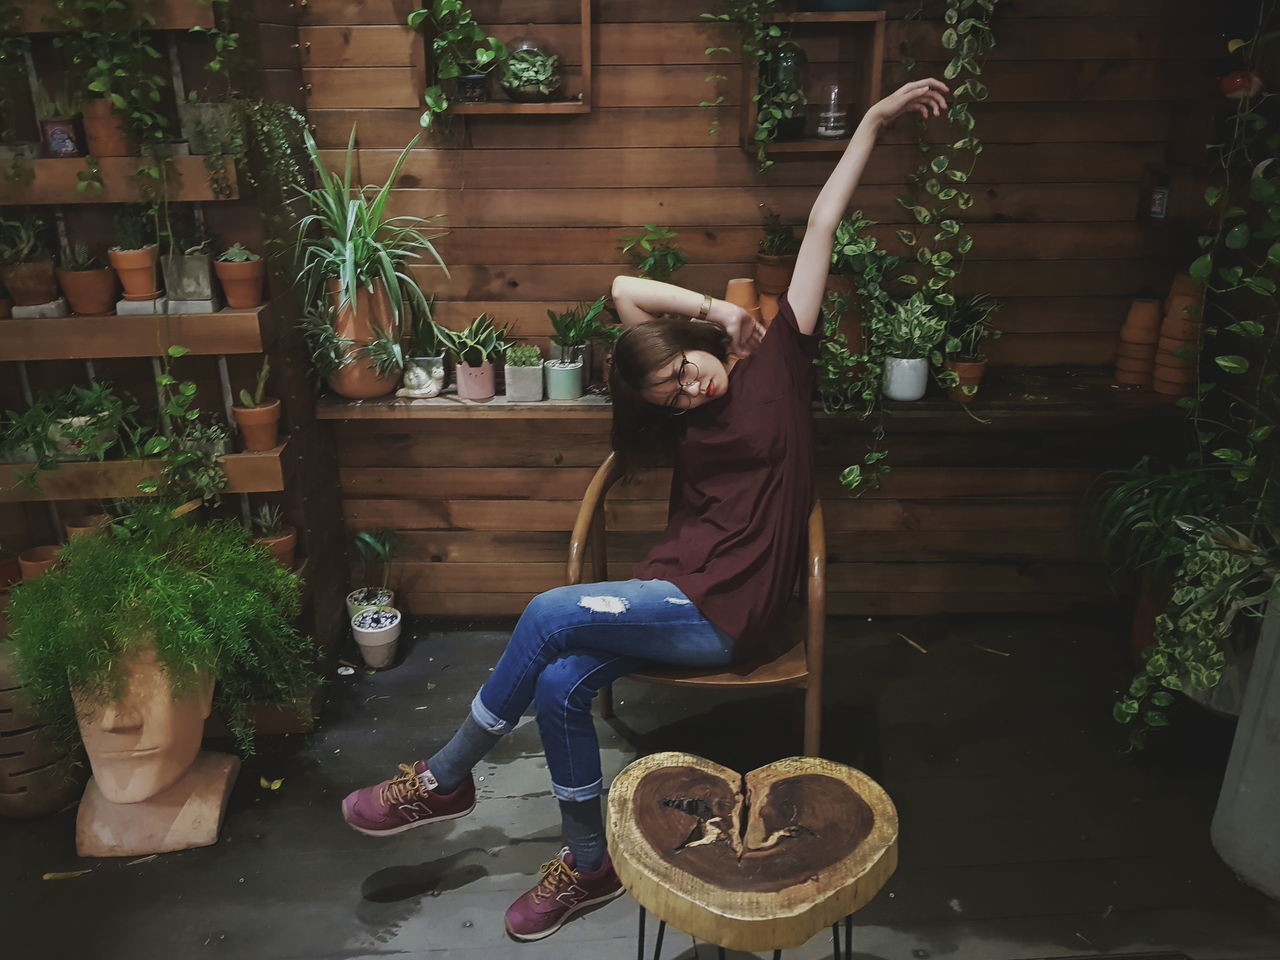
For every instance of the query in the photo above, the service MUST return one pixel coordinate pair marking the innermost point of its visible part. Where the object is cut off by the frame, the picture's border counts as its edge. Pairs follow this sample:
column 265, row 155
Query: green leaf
column 938, row 164
column 1201, row 267
column 1212, row 195
column 1238, row 236
column 178, row 351
column 1232, row 363
column 1263, row 286
column 155, row 445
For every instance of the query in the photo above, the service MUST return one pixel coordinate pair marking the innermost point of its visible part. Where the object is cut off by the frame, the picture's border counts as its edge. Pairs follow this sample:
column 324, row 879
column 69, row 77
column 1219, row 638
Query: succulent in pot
column 257, row 415
column 968, row 327
column 188, row 270
column 26, row 266
column 376, row 549
column 473, row 350
column 912, row 331
column 523, row 373
column 271, row 532
column 242, row 274
column 134, row 253
column 529, row 75
column 87, row 282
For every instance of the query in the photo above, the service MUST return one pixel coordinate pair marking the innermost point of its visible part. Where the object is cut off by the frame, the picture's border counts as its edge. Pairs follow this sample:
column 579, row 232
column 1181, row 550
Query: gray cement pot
column 188, row 277
column 524, row 384
column 1246, row 828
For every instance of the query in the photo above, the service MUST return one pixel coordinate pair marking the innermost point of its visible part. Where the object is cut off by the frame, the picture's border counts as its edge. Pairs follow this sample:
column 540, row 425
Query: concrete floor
column 1026, row 833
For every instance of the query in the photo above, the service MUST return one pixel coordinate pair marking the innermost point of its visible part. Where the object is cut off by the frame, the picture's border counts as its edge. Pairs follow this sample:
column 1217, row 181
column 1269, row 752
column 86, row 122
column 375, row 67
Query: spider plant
column 349, row 237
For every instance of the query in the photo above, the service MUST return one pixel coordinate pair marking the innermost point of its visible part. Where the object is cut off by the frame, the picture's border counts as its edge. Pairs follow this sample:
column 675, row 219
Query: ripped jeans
column 570, row 642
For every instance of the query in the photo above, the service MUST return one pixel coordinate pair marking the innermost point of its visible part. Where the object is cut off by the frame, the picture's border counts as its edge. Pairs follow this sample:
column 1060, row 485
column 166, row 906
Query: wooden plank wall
column 1084, row 93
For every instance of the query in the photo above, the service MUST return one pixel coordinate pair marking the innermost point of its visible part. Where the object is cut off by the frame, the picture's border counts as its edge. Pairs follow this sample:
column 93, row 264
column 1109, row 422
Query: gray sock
column 583, row 822
column 455, row 759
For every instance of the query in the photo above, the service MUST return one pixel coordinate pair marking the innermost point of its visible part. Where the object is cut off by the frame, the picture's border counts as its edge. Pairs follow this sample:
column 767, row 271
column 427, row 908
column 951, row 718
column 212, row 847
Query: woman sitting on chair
column 732, row 404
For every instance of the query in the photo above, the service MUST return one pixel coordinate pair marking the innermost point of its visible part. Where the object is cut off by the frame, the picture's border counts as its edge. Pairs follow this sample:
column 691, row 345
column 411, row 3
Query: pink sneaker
column 562, row 892
column 405, row 802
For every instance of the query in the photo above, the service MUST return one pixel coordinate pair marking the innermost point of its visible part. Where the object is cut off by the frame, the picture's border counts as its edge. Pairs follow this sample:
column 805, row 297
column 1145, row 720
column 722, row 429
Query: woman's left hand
column 926, row 97
column 745, row 331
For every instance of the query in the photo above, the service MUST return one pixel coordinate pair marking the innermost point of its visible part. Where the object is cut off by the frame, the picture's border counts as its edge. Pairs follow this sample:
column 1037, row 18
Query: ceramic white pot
column 68, row 447
column 364, row 597
column 905, row 379
column 433, row 367
column 524, row 384
column 376, row 630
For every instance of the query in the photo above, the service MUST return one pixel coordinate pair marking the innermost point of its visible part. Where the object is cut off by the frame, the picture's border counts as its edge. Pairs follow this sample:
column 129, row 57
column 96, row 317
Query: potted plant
column 257, row 415
column 473, row 351
column 87, row 525
column 425, row 359
column 134, row 255
column 360, row 259
column 912, row 331
column 461, row 51
column 188, row 270
column 376, row 548
column 279, row 539
column 529, row 75
column 78, row 423
column 87, row 282
column 26, row 267
column 968, row 326
column 35, row 562
column 776, row 255
column 376, row 630
column 241, row 273
column 204, row 599
column 574, row 330
column 524, row 373
column 654, row 254
column 60, row 131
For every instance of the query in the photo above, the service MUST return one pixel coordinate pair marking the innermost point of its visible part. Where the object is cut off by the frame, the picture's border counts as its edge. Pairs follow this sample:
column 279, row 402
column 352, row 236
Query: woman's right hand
column 744, row 330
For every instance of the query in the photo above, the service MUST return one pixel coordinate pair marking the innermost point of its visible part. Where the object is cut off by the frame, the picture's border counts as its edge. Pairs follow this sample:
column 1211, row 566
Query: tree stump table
column 756, row 862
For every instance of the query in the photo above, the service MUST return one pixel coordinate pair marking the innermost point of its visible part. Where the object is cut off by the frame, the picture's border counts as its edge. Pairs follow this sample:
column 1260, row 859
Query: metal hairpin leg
column 640, row 941
column 777, row 955
column 835, row 941
column 657, row 948
column 720, row 953
column 848, row 937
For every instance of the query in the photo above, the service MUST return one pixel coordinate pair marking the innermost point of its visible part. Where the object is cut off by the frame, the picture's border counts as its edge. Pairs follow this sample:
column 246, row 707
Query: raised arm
column 638, row 301
column 926, row 97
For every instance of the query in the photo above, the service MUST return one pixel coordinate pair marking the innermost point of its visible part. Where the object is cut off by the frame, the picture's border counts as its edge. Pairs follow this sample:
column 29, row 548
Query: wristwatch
column 706, row 306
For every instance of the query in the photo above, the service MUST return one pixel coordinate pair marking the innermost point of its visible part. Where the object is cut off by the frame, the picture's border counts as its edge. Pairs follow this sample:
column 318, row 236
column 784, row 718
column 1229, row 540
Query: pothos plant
column 459, row 46
column 1230, row 562
column 190, row 450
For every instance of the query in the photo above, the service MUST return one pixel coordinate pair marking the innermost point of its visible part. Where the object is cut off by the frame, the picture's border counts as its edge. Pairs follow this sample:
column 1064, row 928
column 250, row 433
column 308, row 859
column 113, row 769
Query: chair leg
column 812, row 720
column 606, row 702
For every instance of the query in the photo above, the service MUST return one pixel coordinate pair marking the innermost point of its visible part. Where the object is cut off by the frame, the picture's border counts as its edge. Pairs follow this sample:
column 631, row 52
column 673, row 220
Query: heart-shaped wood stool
column 759, row 862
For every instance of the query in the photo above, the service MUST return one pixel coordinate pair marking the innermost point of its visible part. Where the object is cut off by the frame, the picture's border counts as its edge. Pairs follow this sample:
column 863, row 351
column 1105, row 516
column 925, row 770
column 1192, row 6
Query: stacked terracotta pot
column 1136, row 351
column 1178, row 349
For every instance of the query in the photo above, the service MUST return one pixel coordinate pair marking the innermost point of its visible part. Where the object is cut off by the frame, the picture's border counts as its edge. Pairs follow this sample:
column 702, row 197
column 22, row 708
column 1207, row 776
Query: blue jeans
column 570, row 642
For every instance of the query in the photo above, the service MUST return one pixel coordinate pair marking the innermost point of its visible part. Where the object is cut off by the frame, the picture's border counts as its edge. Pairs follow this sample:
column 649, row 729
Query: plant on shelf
column 461, row 51
column 654, row 254
column 351, row 250
column 524, row 373
column 385, row 355
column 376, row 549
column 190, row 451
column 272, row 533
column 474, row 350
column 26, row 266
column 75, row 423
column 205, row 598
column 257, row 415
column 574, row 329
column 424, row 333
column 776, row 254
column 522, row 355
column 187, row 268
column 86, row 281
column 912, row 332
column 529, row 75
column 134, row 253
column 968, row 328
column 328, row 353
column 242, row 275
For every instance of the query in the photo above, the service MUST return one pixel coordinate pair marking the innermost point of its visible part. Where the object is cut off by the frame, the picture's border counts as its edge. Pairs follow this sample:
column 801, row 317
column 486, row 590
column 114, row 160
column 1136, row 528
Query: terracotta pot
column 1142, row 325
column 475, row 383
column 61, row 137
column 241, row 282
column 105, row 130
column 81, row 526
column 36, row 562
column 1170, row 344
column 742, row 293
column 137, row 271
column 282, row 547
column 1171, row 389
column 1184, row 285
column 1174, row 374
column 774, row 273
column 1132, row 379
column 970, row 374
column 89, row 292
column 768, row 307
column 357, row 380
column 30, row 283
column 259, row 426
column 1136, row 351
column 1178, row 322
column 1135, row 365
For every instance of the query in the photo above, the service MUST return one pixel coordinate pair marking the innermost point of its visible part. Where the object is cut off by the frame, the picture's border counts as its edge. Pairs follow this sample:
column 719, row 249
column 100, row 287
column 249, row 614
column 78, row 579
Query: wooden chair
column 799, row 665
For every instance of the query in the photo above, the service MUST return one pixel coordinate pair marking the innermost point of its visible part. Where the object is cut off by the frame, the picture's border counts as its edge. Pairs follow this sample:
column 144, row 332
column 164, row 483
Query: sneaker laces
column 408, row 786
column 555, row 873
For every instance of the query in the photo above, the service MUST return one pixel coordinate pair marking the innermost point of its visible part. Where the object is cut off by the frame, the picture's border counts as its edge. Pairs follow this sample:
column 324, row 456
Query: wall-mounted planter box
column 99, row 338
column 56, row 181
column 169, row 15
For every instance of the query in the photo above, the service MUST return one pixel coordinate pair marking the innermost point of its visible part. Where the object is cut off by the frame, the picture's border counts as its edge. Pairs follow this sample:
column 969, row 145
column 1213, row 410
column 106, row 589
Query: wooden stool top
column 760, row 862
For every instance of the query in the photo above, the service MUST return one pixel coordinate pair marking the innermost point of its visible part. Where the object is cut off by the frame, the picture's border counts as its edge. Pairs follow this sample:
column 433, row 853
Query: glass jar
column 833, row 119
column 783, row 77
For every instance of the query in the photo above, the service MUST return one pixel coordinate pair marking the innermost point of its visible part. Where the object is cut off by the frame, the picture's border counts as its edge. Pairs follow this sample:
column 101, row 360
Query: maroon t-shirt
column 742, row 490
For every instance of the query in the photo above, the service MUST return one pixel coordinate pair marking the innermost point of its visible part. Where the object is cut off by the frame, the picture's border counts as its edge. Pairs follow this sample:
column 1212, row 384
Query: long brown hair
column 644, row 434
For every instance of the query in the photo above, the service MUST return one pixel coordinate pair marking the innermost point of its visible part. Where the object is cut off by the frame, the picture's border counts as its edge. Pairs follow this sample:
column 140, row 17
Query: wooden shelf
column 93, row 480
column 103, row 337
column 820, row 16
column 56, row 181
column 169, row 15
column 451, row 408
column 807, row 146
column 501, row 107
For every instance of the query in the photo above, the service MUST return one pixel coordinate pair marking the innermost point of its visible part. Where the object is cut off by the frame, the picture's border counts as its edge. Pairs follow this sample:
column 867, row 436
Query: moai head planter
column 153, row 790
